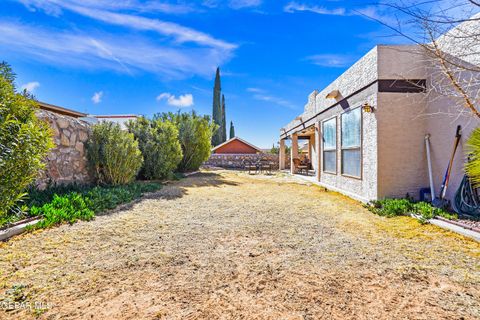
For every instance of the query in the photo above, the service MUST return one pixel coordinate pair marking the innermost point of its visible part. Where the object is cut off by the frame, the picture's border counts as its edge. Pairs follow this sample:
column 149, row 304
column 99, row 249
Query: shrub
column 473, row 149
column 24, row 141
column 401, row 207
column 195, row 136
column 158, row 141
column 113, row 154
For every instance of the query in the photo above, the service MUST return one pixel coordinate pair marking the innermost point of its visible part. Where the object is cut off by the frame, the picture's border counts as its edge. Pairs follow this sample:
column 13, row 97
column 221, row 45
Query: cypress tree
column 232, row 130
column 224, row 121
column 217, row 110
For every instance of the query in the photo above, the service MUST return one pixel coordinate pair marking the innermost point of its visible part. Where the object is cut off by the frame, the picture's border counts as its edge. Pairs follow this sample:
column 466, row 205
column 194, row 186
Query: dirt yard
column 224, row 245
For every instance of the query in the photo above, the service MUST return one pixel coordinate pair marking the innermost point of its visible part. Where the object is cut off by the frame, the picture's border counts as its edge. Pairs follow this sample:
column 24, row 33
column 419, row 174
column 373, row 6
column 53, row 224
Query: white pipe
column 429, row 161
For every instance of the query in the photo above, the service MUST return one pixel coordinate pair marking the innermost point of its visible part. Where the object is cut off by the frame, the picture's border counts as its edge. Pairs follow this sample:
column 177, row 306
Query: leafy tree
column 24, row 141
column 113, row 154
column 158, row 141
column 195, row 134
column 217, row 110
column 275, row 149
column 232, row 130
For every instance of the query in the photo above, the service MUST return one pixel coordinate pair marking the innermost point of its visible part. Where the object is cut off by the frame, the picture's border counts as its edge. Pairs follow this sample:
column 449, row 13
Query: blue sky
column 144, row 57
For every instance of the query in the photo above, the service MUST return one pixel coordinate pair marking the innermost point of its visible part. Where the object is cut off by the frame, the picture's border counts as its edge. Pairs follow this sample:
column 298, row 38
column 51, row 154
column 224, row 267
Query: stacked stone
column 67, row 162
column 236, row 161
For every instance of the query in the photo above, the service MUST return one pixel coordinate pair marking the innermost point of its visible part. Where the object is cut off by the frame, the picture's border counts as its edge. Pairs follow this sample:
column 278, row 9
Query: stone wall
column 67, row 162
column 235, row 161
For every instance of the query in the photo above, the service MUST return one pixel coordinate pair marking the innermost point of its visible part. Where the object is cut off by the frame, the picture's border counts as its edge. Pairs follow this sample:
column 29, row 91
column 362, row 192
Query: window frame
column 330, row 150
column 360, row 148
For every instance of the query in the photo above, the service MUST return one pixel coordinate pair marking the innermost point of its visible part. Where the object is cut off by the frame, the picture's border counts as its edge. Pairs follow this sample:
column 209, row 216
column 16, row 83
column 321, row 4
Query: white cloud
column 110, row 52
column 234, row 4
column 30, row 86
column 331, row 60
column 183, row 101
column 239, row 4
column 178, row 32
column 294, row 6
column 97, row 97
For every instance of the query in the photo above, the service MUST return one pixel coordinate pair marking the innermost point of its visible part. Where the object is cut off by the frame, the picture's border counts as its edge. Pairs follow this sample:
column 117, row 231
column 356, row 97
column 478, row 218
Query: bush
column 24, row 142
column 195, row 136
column 158, row 141
column 84, row 202
column 113, row 154
column 473, row 149
column 401, row 207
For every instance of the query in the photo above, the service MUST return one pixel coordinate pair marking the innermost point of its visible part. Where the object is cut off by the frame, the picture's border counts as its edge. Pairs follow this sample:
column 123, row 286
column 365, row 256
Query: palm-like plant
column 473, row 166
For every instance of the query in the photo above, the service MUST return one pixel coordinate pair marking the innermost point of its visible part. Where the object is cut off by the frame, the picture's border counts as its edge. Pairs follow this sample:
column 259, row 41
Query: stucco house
column 366, row 130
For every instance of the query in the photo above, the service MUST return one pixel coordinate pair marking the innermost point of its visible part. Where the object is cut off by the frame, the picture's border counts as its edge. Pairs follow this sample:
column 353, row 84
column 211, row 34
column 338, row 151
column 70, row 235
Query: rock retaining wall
column 236, row 161
column 67, row 162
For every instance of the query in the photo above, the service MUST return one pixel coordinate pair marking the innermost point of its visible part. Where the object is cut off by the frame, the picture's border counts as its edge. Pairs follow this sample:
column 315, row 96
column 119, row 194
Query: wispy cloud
column 97, row 97
column 239, row 4
column 234, row 4
column 331, row 60
column 295, row 6
column 183, row 101
column 368, row 12
column 55, row 7
column 110, row 52
column 30, row 86
column 263, row 95
column 177, row 52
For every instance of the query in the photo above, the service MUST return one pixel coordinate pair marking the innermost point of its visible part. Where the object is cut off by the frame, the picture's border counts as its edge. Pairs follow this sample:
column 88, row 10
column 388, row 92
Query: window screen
column 351, row 143
column 330, row 146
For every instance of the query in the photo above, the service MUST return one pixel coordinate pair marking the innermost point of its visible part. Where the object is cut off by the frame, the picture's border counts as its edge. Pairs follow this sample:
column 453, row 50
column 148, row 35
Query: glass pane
column 351, row 163
column 330, row 161
column 351, row 134
column 330, row 134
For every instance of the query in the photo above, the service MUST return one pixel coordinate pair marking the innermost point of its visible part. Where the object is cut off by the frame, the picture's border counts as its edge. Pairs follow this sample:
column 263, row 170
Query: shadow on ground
column 178, row 189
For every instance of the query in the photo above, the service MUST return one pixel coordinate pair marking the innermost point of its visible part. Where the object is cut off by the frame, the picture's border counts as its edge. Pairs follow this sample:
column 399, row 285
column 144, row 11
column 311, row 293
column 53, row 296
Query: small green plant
column 402, row 207
column 113, row 154
column 78, row 202
column 68, row 208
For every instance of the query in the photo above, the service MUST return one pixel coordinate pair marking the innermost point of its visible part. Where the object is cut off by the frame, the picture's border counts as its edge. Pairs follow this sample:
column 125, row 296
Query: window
column 352, row 143
column 330, row 146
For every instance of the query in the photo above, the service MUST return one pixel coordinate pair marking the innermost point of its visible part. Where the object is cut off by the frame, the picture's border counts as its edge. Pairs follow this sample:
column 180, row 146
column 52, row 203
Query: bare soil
column 225, row 245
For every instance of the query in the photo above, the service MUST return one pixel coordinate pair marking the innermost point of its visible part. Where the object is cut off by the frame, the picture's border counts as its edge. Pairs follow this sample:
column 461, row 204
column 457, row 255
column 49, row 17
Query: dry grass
column 224, row 245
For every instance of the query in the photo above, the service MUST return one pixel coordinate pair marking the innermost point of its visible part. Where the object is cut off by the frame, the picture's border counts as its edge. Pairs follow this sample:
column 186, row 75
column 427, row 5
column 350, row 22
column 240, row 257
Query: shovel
column 440, row 202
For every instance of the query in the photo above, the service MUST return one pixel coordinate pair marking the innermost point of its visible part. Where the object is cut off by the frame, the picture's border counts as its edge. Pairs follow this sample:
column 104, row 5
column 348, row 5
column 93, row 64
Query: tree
column 217, row 110
column 224, row 121
column 449, row 36
column 195, row 134
column 232, row 130
column 25, row 141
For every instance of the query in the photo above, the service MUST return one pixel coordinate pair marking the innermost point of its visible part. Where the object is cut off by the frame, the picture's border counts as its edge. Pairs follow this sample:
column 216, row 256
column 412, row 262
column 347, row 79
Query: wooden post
column 281, row 155
column 293, row 152
column 318, row 148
